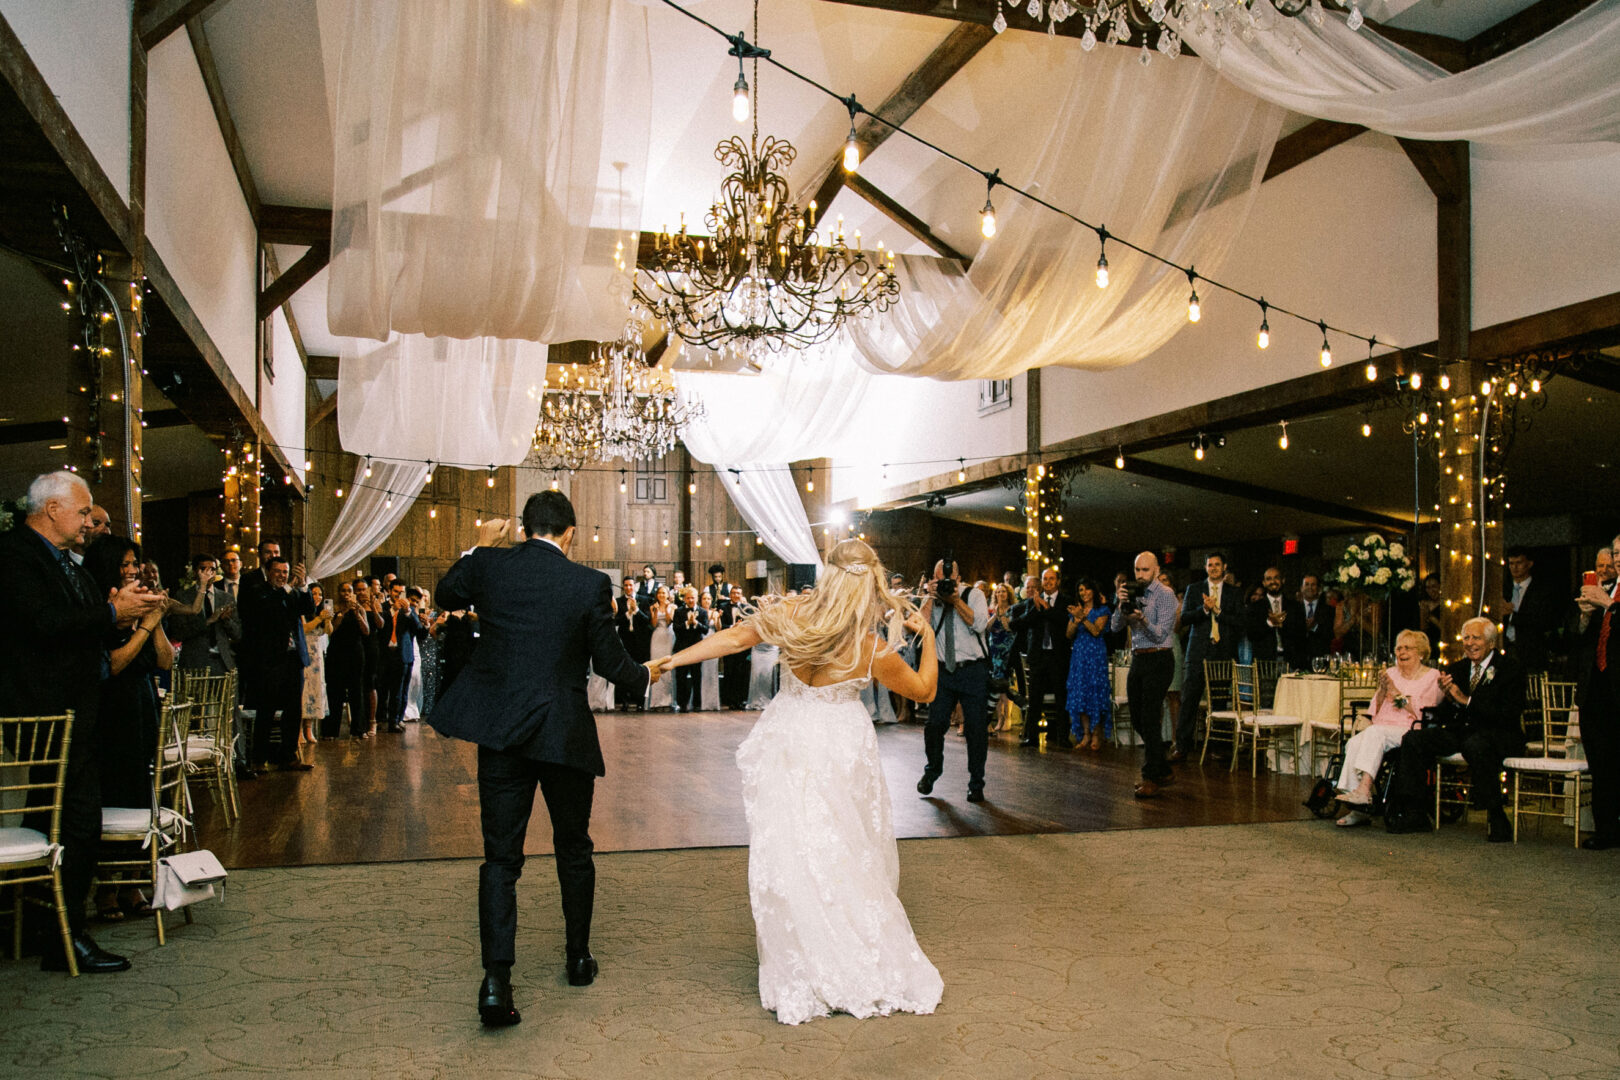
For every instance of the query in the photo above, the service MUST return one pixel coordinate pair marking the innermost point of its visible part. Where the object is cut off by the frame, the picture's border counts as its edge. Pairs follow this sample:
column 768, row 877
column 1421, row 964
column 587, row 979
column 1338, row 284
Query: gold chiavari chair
column 1268, row 672
column 159, row 829
column 1552, row 784
column 1220, row 716
column 1264, row 729
column 33, row 772
column 209, row 747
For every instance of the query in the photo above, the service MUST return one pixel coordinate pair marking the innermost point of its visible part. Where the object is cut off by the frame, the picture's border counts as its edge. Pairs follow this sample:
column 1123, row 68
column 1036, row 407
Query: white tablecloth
column 1308, row 697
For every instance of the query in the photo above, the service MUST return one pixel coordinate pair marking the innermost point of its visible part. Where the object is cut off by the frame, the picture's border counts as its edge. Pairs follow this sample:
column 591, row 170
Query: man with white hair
column 52, row 660
column 1481, row 719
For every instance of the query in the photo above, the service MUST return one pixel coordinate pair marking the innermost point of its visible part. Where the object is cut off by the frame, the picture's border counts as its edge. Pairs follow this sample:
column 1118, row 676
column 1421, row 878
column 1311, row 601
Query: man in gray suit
column 206, row 622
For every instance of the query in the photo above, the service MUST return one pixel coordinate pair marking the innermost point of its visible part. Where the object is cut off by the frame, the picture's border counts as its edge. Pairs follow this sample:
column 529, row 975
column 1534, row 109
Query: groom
column 521, row 698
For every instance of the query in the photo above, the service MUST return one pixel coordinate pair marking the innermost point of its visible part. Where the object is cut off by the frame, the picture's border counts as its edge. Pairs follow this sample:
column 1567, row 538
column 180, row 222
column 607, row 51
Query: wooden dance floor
column 672, row 783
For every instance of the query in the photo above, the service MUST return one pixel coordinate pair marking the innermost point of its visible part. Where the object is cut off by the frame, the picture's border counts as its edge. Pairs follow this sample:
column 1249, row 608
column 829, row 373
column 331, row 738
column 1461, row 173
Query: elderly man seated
column 1480, row 719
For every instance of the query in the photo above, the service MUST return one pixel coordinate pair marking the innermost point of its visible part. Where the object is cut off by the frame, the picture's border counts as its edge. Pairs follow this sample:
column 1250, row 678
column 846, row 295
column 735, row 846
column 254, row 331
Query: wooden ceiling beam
column 323, row 367
column 300, row 226
column 908, row 221
column 1522, row 28
column 281, row 290
column 157, row 19
column 222, row 114
column 949, row 56
column 321, row 410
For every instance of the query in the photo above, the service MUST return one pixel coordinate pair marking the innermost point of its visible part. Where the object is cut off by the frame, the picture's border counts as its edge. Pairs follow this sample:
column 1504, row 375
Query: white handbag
column 186, row 878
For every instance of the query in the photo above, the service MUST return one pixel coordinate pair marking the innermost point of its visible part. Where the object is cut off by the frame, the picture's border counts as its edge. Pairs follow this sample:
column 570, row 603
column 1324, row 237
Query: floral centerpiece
column 1375, row 567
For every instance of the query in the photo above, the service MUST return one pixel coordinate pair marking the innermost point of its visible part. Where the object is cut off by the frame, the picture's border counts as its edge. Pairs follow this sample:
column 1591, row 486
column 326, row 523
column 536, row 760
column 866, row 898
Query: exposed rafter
column 296, row 277
column 950, row 56
column 904, row 218
column 222, row 114
column 157, row 19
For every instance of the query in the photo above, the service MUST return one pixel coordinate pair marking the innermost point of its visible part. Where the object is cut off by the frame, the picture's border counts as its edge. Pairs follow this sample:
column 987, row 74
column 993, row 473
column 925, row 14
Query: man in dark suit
column 52, row 660
column 209, row 635
column 1277, row 624
column 1481, row 718
column 1214, row 615
column 258, row 577
column 633, row 623
column 1043, row 622
column 401, row 631
column 1318, row 627
column 1535, row 612
column 691, row 625
column 647, row 587
column 718, row 588
column 1599, row 699
column 544, row 620
column 273, row 646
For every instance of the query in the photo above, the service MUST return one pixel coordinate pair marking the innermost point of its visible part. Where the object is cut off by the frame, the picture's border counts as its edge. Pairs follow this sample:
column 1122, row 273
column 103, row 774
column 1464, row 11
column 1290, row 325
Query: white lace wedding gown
column 661, row 694
column 822, row 863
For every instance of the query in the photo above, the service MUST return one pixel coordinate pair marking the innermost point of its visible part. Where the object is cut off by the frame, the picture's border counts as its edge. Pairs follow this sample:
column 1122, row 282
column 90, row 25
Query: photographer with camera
column 1148, row 609
column 959, row 618
column 1042, row 621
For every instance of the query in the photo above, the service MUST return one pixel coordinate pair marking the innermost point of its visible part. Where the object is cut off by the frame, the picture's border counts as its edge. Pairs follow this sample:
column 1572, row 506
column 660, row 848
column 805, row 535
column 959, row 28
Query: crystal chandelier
column 1216, row 19
column 613, row 407
column 765, row 279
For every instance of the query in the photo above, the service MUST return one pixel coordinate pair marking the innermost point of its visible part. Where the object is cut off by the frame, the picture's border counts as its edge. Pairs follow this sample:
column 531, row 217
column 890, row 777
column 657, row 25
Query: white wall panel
column 282, row 402
column 1546, row 231
column 1347, row 237
column 196, row 218
column 81, row 47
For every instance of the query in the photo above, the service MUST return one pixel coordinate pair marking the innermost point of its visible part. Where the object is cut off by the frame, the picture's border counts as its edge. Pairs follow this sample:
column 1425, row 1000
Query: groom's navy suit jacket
column 542, row 620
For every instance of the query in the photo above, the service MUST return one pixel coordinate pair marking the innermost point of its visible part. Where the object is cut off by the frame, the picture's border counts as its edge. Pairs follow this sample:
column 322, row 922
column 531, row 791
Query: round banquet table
column 1312, row 698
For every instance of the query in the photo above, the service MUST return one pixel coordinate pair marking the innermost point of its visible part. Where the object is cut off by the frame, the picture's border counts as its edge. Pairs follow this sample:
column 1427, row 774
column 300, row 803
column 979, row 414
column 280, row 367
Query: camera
column 945, row 587
column 1134, row 591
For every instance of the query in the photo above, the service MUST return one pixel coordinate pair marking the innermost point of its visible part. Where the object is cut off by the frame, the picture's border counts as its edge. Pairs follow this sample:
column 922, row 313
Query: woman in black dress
column 345, row 665
column 127, row 716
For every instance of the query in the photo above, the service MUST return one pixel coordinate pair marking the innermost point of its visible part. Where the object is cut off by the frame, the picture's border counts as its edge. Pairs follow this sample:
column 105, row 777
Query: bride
column 822, row 862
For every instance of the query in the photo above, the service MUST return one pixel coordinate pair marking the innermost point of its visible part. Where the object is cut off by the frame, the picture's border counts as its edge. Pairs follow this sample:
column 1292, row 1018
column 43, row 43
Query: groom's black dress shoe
column 582, row 970
column 975, row 794
column 495, row 1002
column 92, row 958
column 925, row 786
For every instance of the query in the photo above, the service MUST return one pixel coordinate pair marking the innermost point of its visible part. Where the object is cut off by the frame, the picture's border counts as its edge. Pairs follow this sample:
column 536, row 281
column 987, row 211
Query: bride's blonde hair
column 827, row 628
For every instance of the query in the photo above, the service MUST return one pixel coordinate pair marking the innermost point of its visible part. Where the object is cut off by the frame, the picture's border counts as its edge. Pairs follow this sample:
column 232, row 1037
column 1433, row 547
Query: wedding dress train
column 822, row 862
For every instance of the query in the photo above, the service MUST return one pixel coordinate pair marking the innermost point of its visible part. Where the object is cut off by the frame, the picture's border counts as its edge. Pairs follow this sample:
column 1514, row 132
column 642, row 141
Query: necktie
column 76, row 583
column 948, row 639
column 1046, row 637
column 1603, row 640
column 208, row 604
column 1215, row 615
column 1473, row 682
column 393, row 634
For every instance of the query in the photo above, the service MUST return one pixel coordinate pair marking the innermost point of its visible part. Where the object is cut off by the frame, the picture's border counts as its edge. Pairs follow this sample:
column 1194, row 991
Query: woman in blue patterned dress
column 1091, row 698
column 998, row 636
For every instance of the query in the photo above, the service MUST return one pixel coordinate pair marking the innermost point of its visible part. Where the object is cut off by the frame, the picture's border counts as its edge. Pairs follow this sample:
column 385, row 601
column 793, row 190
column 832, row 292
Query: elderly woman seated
column 1404, row 691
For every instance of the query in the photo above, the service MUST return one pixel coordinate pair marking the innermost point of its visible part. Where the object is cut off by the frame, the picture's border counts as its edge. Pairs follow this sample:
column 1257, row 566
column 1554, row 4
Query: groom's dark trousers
column 506, row 783
column 545, row 622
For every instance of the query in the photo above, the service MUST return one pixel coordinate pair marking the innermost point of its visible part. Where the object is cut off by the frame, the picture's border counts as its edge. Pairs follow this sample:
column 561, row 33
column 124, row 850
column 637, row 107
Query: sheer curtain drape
column 415, row 399
column 1169, row 157
column 805, row 405
column 489, row 159
column 1562, row 87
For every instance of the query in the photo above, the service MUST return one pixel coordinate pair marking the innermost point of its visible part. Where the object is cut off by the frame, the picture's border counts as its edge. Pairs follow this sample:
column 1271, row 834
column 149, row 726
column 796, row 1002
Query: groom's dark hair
column 548, row 513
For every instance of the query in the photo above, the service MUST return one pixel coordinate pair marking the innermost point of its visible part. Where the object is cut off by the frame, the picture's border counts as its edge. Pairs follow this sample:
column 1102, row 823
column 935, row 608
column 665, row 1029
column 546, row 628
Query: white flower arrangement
column 1375, row 567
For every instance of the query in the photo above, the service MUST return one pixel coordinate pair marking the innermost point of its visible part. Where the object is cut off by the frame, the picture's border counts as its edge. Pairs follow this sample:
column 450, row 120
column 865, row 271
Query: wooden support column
column 119, row 489
column 683, row 519
column 1470, row 552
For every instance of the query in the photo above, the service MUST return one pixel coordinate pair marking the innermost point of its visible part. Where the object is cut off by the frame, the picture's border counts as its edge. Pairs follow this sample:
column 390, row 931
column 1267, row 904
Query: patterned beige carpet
column 1280, row 951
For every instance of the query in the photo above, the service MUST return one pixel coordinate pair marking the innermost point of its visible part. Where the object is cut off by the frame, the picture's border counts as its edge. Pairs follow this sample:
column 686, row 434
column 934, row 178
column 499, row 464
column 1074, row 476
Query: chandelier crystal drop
column 765, row 278
column 1116, row 21
column 613, row 407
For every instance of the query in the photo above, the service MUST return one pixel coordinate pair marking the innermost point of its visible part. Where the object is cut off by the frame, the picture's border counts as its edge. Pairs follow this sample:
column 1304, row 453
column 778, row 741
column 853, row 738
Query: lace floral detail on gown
column 823, row 867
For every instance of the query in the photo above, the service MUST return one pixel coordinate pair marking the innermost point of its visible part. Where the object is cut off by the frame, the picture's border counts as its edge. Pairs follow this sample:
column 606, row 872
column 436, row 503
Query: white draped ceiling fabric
column 490, row 157
column 425, row 399
column 804, row 406
column 1560, row 88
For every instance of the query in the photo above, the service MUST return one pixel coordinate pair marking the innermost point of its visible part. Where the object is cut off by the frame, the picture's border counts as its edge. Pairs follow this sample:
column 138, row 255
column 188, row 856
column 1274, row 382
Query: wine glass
column 1319, row 664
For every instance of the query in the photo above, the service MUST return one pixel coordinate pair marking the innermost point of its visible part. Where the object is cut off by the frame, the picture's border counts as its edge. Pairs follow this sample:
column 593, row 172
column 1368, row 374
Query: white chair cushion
column 1544, row 764
column 198, row 748
column 122, row 822
column 1272, row 720
column 1223, row 714
column 23, row 846
column 1453, row 759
